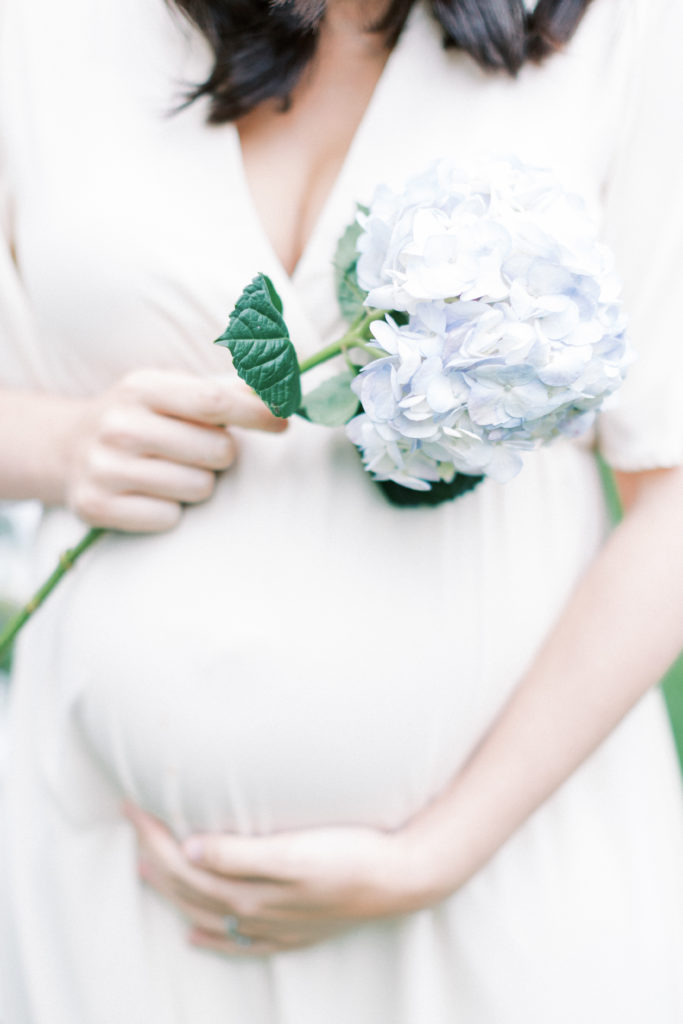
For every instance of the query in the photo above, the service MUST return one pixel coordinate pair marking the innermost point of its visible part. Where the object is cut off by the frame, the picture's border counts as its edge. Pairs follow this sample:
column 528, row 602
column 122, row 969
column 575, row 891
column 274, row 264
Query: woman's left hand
column 257, row 895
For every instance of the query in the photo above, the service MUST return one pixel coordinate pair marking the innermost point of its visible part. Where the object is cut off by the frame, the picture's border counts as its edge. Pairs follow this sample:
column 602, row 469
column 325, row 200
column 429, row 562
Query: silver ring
column 232, row 930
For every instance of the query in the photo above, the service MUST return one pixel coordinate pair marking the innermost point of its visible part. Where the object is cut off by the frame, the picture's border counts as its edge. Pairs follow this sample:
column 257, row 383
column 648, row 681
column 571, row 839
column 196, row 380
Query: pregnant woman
column 283, row 753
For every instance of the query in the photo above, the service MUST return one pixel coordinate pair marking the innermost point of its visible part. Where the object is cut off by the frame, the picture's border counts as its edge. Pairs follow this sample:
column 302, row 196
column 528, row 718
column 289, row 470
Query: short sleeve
column 644, row 226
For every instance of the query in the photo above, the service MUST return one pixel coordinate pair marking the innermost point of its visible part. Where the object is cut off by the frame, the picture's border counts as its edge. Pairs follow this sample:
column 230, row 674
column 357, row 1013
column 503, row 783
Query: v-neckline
column 337, row 186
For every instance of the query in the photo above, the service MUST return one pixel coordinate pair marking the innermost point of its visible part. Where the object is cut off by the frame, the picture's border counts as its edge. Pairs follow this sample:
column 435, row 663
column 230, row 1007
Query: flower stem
column 355, row 337
column 66, row 560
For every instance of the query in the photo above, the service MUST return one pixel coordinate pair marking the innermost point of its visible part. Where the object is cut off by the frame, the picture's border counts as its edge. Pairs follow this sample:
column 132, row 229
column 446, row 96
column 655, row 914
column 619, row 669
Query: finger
column 228, row 947
column 168, row 867
column 258, row 857
column 140, row 431
column 262, row 946
column 261, row 929
column 162, row 866
column 204, row 920
column 217, row 400
column 133, row 513
column 153, row 477
column 186, row 886
column 207, row 919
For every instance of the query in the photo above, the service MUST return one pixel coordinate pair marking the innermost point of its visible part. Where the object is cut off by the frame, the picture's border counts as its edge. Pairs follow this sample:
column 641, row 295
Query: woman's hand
column 258, row 895
column 152, row 443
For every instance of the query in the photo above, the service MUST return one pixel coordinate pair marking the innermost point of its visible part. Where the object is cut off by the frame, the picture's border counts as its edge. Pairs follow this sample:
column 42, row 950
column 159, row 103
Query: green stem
column 356, row 337
column 66, row 560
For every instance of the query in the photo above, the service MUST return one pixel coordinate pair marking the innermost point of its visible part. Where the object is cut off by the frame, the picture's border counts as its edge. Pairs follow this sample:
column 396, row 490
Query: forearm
column 621, row 629
column 34, row 432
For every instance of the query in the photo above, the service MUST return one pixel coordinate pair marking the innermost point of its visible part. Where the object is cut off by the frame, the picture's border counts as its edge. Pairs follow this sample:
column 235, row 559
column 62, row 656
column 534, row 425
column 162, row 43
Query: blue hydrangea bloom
column 514, row 332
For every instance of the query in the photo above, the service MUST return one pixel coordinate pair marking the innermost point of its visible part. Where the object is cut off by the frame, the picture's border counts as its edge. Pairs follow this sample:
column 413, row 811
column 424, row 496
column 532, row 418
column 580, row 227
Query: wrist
column 38, row 432
column 58, row 428
column 418, row 873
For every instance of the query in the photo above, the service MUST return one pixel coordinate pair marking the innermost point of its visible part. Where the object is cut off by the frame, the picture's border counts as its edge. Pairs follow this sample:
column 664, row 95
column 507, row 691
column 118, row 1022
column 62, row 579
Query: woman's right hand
column 153, row 442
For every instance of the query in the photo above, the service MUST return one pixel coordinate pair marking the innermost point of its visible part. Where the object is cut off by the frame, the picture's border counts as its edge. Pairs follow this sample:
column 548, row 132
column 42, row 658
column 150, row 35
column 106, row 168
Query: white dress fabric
column 299, row 652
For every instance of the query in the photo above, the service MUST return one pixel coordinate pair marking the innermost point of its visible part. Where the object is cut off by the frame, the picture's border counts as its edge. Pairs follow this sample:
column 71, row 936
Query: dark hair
column 261, row 47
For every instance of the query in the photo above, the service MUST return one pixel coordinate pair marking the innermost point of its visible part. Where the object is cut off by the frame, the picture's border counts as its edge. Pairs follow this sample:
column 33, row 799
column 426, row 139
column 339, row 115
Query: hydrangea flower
column 514, row 331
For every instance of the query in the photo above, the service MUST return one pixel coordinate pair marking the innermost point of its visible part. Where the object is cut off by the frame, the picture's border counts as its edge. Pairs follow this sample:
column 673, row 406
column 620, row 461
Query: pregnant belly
column 260, row 713
column 339, row 670
column 237, row 741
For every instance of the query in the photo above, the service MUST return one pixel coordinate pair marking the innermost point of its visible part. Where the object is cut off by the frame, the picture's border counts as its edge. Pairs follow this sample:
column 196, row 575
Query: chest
column 292, row 158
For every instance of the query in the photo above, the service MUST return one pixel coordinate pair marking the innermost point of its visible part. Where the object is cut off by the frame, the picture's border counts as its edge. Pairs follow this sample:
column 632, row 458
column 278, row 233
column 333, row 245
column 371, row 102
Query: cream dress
column 298, row 652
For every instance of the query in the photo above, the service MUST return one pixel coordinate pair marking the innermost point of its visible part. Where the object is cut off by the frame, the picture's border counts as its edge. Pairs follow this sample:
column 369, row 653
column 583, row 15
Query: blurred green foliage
column 673, row 693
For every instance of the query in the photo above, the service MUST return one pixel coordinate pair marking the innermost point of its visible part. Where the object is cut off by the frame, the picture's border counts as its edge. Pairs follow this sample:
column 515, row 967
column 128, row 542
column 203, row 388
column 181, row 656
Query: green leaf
column 262, row 351
column 332, row 403
column 350, row 295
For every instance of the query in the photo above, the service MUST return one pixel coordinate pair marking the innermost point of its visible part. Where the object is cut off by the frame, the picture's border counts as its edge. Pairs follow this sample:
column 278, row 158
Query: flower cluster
column 510, row 330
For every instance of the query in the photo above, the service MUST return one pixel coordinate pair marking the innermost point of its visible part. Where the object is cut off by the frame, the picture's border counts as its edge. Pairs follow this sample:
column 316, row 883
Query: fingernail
column 194, row 849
